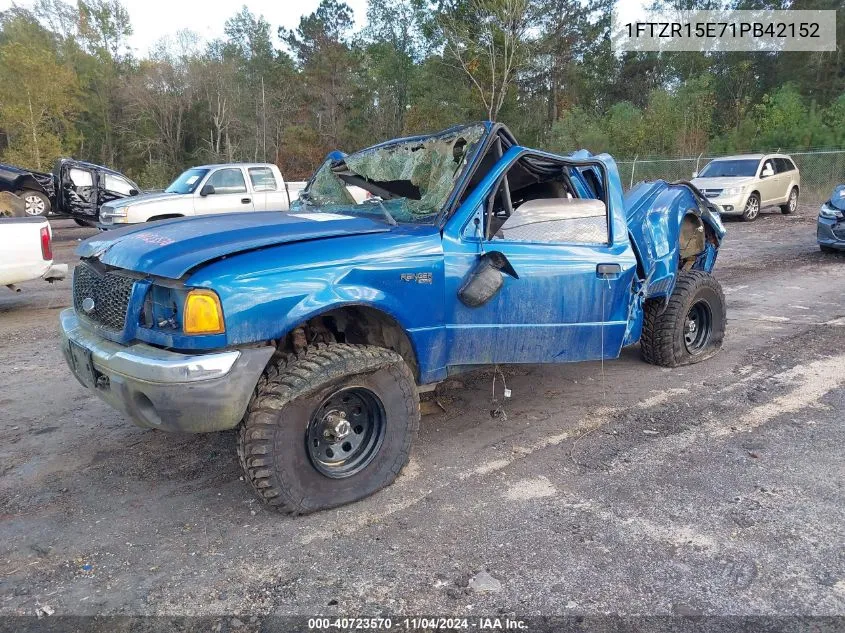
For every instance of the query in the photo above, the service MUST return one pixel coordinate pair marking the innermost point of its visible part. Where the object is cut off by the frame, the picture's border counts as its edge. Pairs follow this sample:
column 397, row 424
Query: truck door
column 573, row 293
column 224, row 191
column 114, row 187
column 77, row 194
column 268, row 195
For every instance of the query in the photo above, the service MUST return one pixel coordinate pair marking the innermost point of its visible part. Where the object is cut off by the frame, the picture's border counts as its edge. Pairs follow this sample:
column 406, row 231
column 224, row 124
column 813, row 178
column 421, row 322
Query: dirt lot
column 713, row 489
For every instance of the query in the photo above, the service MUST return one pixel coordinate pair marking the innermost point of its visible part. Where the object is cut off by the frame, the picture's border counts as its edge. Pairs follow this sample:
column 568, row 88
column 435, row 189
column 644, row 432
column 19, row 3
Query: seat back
column 547, row 220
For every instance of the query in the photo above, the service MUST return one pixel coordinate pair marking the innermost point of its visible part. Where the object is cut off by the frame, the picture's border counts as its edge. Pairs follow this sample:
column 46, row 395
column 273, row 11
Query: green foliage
column 40, row 98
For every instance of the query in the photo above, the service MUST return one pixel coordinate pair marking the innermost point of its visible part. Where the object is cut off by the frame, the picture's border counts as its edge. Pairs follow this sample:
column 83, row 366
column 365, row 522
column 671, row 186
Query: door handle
column 608, row 271
column 246, row 200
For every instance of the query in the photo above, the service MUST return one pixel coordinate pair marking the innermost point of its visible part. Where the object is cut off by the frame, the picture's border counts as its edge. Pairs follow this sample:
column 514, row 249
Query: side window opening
column 117, row 184
column 262, row 179
column 783, row 165
column 536, row 201
column 767, row 164
column 228, row 181
column 81, row 178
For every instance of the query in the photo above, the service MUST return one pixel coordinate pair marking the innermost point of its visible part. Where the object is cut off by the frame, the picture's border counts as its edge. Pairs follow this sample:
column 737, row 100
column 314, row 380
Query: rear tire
column 791, row 203
column 293, row 445
column 752, row 208
column 691, row 328
column 36, row 204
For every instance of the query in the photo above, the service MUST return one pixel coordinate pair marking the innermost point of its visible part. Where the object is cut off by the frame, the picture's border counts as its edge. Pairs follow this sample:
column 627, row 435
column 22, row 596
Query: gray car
column 831, row 224
column 743, row 185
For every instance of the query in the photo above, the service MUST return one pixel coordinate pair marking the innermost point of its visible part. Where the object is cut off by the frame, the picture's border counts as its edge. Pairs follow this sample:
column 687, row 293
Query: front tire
column 752, row 208
column 36, row 204
column 791, row 203
column 328, row 426
column 691, row 328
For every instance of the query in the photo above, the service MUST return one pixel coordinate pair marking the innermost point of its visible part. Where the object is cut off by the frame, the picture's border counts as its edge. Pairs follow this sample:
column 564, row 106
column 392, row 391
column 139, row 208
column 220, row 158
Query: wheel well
column 165, row 216
column 694, row 237
column 352, row 324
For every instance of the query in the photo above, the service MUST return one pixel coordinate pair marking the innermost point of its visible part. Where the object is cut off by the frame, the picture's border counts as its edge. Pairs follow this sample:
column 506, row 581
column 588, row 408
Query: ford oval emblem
column 88, row 305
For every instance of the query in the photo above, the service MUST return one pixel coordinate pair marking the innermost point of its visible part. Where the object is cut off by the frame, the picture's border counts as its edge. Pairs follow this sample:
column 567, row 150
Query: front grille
column 839, row 230
column 712, row 193
column 110, row 292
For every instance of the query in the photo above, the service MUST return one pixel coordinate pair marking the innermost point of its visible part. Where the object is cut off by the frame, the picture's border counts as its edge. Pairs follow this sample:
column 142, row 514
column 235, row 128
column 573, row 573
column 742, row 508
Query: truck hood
column 721, row 183
column 171, row 248
column 142, row 199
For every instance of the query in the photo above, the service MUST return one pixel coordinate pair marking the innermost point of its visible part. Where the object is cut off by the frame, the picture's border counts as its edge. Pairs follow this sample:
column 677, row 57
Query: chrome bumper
column 160, row 389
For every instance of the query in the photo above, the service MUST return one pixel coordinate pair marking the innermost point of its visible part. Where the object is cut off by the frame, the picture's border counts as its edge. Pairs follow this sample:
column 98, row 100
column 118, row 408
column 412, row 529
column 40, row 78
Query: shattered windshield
column 411, row 180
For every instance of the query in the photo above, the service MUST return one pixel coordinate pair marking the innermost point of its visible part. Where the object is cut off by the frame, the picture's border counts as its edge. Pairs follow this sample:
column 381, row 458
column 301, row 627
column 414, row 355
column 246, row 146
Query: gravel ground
column 625, row 489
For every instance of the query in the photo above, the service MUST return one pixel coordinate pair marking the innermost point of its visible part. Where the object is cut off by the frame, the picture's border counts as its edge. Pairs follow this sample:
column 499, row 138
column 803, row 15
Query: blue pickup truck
column 312, row 331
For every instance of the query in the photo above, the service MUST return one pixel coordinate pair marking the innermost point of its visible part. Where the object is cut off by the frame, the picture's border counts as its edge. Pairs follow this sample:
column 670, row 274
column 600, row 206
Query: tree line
column 72, row 86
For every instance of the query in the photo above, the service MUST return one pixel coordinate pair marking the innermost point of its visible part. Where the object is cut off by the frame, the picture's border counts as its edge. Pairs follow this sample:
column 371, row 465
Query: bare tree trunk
column 34, row 132
column 263, row 122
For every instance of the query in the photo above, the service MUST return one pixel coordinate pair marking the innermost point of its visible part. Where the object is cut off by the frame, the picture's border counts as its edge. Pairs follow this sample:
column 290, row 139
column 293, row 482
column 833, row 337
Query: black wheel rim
column 345, row 432
column 697, row 327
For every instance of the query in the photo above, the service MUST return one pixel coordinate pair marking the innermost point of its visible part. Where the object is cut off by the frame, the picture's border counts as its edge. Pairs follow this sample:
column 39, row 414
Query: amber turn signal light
column 203, row 313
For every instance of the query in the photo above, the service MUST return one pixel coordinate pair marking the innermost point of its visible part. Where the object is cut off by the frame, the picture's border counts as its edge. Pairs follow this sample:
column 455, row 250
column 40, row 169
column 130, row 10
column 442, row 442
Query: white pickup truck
column 27, row 252
column 208, row 189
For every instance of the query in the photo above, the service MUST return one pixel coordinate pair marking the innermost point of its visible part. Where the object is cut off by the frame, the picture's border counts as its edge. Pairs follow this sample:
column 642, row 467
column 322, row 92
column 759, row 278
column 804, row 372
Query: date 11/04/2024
column 417, row 623
column 715, row 30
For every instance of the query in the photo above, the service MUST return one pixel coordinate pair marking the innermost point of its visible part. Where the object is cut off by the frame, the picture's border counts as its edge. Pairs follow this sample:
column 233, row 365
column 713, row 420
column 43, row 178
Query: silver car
column 743, row 185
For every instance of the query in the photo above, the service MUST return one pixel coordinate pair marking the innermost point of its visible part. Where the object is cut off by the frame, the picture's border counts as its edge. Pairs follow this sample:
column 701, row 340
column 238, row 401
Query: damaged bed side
column 672, row 228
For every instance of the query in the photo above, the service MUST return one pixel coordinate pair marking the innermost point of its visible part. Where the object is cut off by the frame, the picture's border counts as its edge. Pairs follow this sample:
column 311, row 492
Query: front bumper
column 831, row 232
column 161, row 389
column 731, row 205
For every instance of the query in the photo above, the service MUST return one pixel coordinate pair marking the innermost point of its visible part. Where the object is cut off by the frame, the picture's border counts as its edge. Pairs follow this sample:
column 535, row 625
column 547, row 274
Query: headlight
column 203, row 313
column 828, row 211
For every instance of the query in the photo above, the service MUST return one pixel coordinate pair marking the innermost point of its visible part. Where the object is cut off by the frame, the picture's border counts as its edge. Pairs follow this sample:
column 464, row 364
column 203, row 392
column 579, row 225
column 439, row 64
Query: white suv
column 743, row 185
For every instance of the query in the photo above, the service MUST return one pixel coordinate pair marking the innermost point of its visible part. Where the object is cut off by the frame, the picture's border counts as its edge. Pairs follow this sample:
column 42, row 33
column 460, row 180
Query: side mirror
column 207, row 190
column 767, row 171
column 485, row 279
column 134, row 192
column 695, row 174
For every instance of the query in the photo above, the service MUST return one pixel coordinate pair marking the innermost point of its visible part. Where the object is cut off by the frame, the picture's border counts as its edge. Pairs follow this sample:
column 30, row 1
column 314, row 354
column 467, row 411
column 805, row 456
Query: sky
column 154, row 19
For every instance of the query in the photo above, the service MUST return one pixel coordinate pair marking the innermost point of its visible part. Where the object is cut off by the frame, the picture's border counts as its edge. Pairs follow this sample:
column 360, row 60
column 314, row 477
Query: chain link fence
column 821, row 171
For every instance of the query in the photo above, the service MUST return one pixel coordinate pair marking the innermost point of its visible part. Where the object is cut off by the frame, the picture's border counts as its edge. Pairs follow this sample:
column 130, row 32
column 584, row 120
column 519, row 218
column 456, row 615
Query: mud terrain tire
column 291, row 397
column 663, row 340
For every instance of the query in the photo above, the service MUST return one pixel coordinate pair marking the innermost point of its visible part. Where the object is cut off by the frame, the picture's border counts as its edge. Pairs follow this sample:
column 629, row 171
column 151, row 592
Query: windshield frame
column 756, row 162
column 189, row 188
